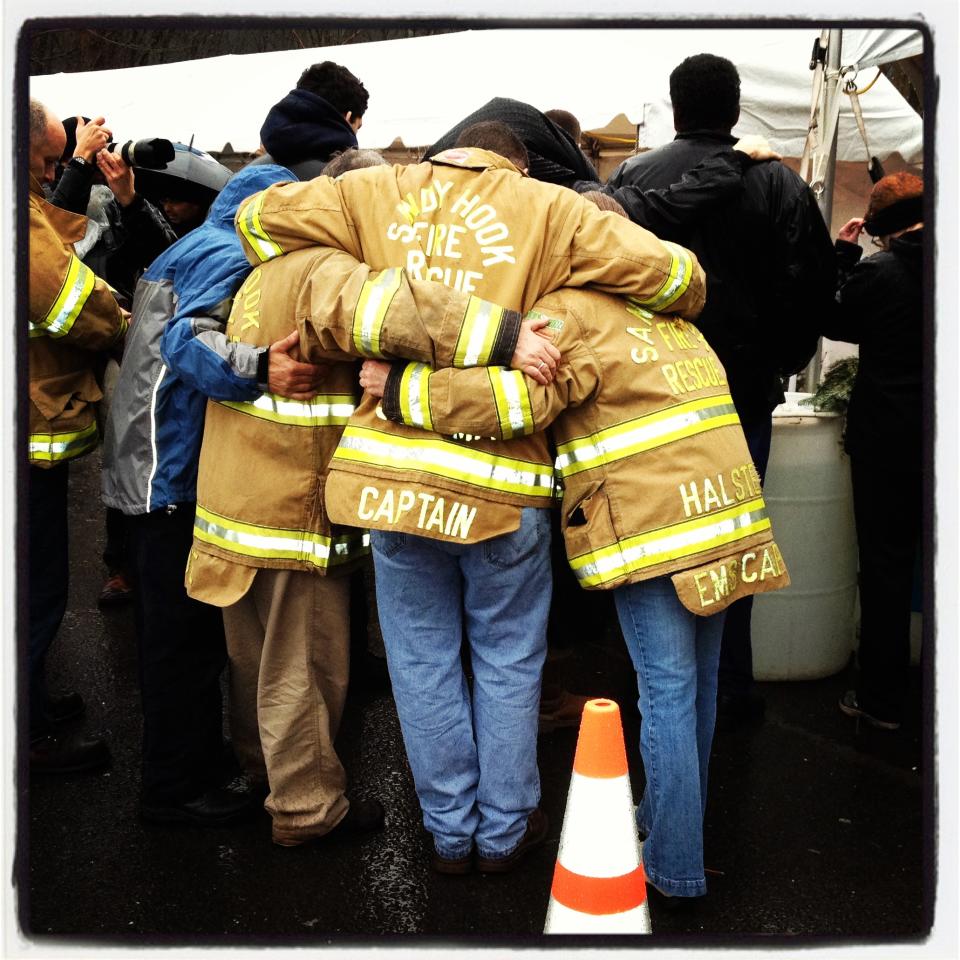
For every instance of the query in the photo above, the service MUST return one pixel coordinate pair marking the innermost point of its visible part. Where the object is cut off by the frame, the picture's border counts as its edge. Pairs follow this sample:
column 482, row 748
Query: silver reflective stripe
column 416, row 398
column 475, row 353
column 278, row 544
column 63, row 314
column 446, row 460
column 690, row 539
column 379, row 294
column 614, row 444
column 321, row 411
column 265, row 247
column 512, row 381
column 62, row 446
column 682, row 267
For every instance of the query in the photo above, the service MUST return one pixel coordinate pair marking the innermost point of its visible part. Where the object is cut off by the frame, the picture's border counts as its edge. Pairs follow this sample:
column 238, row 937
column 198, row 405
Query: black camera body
column 152, row 154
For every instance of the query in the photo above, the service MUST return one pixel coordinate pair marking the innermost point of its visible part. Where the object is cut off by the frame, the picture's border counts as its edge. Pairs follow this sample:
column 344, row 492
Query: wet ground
column 815, row 829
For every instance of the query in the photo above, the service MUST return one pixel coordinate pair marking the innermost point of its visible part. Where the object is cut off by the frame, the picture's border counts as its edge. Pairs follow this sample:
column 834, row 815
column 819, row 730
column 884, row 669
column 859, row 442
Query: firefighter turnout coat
column 657, row 478
column 74, row 317
column 263, row 462
column 470, row 220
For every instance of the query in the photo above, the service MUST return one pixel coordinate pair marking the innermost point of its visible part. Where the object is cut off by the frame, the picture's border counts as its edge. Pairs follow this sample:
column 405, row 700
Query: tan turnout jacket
column 73, row 318
column 263, row 463
column 470, row 220
column 656, row 472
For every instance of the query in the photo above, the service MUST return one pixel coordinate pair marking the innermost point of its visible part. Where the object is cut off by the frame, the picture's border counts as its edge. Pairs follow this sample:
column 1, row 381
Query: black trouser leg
column 182, row 654
column 735, row 676
column 114, row 549
column 887, row 508
column 49, row 575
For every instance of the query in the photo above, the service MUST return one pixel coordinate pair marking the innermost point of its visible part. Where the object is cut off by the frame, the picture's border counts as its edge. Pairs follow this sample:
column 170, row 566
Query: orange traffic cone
column 599, row 884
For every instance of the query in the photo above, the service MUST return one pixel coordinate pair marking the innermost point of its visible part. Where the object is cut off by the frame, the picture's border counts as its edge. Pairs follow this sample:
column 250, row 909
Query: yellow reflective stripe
column 513, row 402
column 51, row 447
column 481, row 324
column 263, row 245
column 675, row 542
column 441, row 458
column 36, row 331
column 321, row 411
column 77, row 287
column 678, row 279
column 415, row 396
column 274, row 543
column 371, row 310
column 646, row 433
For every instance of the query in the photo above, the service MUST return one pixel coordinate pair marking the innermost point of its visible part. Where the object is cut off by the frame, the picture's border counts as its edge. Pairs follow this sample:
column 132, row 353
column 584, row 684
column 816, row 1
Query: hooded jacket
column 554, row 156
column 469, row 219
column 177, row 355
column 303, row 131
column 73, row 317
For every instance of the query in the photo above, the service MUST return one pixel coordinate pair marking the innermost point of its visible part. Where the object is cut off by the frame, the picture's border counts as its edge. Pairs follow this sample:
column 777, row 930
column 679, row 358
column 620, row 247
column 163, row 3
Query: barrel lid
column 793, row 409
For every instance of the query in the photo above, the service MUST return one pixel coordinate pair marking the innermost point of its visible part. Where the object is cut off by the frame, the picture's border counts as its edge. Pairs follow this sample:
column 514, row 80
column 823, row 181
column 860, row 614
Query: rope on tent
column 874, row 167
column 860, row 93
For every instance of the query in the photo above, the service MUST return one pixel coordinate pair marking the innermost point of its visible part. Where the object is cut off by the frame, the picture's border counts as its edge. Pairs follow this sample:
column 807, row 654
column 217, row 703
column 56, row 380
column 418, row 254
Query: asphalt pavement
column 817, row 831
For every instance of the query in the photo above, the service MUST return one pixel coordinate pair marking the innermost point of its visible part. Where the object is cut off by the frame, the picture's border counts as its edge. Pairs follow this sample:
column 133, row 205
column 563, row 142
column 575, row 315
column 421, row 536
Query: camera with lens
column 152, row 154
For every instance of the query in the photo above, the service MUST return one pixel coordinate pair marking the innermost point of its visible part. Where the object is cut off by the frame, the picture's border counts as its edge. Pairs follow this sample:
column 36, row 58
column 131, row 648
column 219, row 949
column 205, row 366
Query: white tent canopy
column 420, row 87
column 870, row 48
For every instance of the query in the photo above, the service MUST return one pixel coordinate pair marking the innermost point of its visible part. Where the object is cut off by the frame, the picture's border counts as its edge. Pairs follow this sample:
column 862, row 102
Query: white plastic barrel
column 807, row 630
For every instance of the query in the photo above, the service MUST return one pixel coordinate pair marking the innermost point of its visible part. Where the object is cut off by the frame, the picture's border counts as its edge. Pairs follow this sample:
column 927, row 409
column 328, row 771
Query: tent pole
column 825, row 201
column 831, row 92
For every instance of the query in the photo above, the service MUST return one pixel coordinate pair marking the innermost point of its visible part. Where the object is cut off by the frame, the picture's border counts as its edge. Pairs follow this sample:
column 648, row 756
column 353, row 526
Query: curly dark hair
column 337, row 85
column 705, row 91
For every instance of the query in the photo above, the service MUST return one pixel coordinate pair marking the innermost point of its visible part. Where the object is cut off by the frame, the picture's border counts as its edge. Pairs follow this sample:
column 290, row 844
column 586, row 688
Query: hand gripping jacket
column 656, row 473
column 264, row 461
column 73, row 315
column 470, row 220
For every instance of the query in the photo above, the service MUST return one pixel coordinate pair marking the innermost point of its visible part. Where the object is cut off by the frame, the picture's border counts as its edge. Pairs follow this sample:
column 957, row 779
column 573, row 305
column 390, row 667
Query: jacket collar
column 472, row 158
column 725, row 138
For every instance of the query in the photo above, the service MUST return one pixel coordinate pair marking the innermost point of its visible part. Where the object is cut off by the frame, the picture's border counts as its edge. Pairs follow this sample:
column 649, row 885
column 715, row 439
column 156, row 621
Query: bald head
column 47, row 142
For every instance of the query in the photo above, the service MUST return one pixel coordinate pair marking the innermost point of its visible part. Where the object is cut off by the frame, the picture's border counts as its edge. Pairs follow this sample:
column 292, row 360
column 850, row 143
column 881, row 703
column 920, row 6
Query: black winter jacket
column 879, row 305
column 768, row 257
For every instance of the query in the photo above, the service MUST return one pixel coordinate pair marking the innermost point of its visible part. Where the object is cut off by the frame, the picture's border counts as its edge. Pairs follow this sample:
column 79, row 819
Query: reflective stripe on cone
column 599, row 884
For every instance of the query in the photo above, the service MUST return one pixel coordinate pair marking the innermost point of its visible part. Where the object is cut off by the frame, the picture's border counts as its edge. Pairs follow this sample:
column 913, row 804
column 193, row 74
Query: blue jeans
column 675, row 654
column 474, row 758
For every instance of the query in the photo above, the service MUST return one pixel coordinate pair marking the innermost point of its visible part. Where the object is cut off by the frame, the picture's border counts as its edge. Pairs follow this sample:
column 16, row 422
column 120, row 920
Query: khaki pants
column 288, row 640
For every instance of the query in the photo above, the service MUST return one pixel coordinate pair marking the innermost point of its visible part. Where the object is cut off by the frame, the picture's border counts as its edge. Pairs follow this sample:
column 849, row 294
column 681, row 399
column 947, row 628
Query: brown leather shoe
column 537, row 827
column 451, row 867
column 115, row 590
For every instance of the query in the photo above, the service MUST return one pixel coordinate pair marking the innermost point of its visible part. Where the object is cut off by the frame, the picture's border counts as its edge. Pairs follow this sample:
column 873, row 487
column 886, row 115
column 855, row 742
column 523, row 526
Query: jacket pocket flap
column 64, row 395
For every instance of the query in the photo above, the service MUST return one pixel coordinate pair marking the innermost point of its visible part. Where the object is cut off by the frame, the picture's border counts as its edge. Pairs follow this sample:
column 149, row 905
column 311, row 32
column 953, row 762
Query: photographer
column 126, row 233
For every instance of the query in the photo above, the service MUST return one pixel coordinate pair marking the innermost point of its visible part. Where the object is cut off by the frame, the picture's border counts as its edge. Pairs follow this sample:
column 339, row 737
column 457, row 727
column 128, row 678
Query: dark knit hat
column 896, row 202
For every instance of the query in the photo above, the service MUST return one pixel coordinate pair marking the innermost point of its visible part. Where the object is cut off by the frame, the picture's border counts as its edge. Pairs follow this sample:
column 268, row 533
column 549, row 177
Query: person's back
column 751, row 247
column 315, row 121
column 766, row 250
